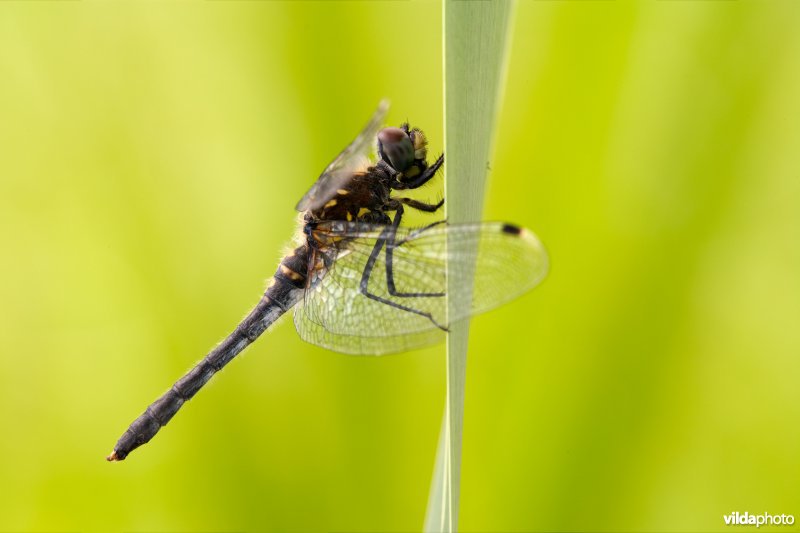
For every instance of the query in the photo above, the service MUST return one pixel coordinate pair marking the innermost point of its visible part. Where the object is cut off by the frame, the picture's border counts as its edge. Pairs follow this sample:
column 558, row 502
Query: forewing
column 350, row 160
column 507, row 261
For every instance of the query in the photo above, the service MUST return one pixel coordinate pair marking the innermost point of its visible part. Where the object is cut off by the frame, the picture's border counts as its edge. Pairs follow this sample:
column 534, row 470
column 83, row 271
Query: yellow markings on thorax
column 363, row 211
column 349, row 216
column 342, row 192
column 330, row 204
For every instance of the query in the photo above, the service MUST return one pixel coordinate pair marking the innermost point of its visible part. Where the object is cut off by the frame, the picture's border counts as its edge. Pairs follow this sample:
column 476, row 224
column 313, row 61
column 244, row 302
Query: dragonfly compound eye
column 395, row 147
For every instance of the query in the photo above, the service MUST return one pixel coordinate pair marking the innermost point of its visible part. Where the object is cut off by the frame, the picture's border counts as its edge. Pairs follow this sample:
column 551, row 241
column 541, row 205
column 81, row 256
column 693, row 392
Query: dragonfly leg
column 415, row 183
column 391, row 244
column 425, row 177
column 421, row 206
column 373, row 257
column 414, row 234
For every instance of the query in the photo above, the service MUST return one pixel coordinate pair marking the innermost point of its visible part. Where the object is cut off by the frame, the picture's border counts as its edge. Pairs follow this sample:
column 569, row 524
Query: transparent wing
column 506, row 260
column 350, row 160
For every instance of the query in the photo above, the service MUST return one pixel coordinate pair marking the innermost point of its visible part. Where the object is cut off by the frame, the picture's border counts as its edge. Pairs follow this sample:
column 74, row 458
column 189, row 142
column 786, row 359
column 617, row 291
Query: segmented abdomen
column 283, row 292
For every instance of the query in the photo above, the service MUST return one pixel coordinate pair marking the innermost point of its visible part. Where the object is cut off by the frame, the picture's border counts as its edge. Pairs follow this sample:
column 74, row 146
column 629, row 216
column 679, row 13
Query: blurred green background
column 151, row 154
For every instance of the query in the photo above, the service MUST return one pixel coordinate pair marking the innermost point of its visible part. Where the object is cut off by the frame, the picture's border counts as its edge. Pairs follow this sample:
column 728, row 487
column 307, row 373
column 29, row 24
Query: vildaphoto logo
column 758, row 520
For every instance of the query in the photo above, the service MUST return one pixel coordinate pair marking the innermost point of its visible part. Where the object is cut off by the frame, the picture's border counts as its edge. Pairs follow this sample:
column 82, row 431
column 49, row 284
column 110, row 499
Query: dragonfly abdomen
column 281, row 295
column 292, row 272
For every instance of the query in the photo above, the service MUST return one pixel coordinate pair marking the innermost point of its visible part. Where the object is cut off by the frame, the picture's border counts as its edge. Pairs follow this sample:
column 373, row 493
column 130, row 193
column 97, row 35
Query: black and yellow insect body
column 359, row 281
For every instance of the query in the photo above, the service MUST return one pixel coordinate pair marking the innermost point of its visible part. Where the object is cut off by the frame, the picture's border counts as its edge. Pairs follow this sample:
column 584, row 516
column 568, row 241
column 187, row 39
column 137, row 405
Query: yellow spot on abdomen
column 291, row 274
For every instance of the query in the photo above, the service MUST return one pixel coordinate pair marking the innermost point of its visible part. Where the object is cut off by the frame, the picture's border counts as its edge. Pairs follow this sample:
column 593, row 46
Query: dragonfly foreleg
column 415, row 183
column 425, row 177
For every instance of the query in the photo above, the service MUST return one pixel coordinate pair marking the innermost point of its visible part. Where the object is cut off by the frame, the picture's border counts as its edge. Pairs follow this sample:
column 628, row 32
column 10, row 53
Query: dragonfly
column 358, row 280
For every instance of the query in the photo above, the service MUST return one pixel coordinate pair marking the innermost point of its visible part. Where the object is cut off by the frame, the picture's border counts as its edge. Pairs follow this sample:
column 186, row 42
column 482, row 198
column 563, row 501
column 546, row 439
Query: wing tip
column 511, row 229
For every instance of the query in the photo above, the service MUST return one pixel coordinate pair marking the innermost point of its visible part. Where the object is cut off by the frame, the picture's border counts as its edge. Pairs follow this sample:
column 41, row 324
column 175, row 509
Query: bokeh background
column 151, row 154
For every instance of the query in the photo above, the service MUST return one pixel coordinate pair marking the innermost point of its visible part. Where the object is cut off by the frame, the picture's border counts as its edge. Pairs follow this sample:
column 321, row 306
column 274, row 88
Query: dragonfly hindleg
column 391, row 245
column 388, row 233
column 414, row 234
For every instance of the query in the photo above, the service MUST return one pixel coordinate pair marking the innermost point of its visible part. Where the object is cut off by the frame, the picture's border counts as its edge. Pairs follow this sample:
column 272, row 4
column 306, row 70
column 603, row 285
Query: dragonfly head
column 404, row 149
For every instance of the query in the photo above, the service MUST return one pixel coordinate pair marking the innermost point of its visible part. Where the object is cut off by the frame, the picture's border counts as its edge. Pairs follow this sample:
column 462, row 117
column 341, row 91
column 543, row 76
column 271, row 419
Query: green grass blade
column 476, row 37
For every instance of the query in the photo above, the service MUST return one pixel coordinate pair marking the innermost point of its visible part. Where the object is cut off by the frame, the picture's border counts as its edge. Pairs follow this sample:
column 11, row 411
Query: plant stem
column 476, row 38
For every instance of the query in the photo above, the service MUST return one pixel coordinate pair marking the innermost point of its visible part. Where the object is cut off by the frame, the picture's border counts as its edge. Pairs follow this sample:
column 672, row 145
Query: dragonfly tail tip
column 113, row 457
